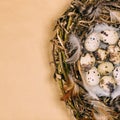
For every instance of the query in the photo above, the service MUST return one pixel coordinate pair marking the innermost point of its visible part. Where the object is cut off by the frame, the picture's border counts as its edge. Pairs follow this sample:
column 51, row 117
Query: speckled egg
column 92, row 42
column 109, row 36
column 87, row 61
column 105, row 68
column 92, row 76
column 116, row 74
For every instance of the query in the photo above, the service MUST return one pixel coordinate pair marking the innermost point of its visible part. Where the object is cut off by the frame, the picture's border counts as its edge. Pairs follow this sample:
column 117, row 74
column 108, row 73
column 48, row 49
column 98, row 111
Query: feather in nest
column 71, row 88
column 102, row 112
column 114, row 16
column 102, row 27
column 75, row 45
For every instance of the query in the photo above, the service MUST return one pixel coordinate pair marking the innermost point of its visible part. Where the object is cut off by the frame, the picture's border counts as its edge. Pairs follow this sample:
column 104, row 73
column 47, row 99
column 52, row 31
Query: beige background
column 27, row 90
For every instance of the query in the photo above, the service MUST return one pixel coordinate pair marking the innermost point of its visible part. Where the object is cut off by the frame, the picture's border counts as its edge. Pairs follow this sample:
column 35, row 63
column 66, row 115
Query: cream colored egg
column 109, row 36
column 87, row 61
column 92, row 42
column 92, row 76
column 105, row 68
column 116, row 74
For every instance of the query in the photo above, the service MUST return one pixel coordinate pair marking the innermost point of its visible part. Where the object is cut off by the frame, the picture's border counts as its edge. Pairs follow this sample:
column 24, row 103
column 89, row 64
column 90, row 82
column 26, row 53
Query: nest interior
column 77, row 25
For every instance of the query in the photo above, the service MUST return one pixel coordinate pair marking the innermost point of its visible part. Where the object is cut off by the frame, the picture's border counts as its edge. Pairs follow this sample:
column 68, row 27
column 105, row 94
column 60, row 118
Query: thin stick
column 80, row 71
column 87, row 22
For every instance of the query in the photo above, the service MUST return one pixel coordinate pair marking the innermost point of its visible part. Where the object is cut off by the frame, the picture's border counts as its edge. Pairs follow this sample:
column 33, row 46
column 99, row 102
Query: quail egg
column 92, row 76
column 109, row 36
column 87, row 61
column 105, row 68
column 108, row 84
column 114, row 52
column 116, row 74
column 92, row 42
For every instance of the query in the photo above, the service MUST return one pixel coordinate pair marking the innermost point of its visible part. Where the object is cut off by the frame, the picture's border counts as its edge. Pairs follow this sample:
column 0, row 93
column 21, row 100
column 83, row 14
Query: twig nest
column 105, row 68
column 92, row 76
column 116, row 74
column 87, row 61
column 86, row 56
column 107, row 83
column 92, row 42
column 109, row 36
column 114, row 52
column 101, row 54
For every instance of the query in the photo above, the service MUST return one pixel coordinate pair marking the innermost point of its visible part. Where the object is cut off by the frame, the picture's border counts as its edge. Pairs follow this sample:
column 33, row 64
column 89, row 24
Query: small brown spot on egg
column 102, row 81
column 107, row 72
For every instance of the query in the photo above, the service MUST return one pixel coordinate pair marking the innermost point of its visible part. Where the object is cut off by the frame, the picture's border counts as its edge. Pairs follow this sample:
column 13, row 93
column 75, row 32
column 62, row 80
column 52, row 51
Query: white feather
column 75, row 43
column 95, row 91
column 103, row 27
column 115, row 15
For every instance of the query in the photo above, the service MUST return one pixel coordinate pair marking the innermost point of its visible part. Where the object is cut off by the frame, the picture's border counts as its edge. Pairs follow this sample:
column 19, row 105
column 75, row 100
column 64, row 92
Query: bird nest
column 86, row 55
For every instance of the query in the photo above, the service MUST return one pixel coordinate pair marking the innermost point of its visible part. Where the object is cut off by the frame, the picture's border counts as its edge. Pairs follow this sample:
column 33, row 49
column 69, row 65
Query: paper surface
column 27, row 90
